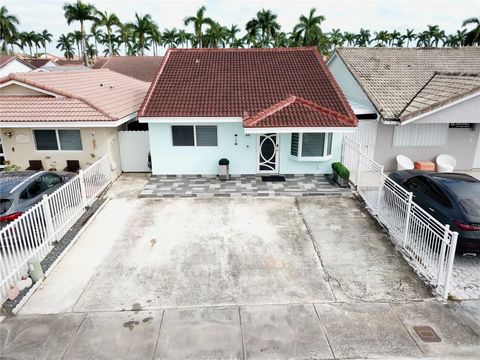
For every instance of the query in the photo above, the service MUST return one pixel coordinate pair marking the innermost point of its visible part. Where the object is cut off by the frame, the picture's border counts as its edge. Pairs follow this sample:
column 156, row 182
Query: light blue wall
column 289, row 165
column 187, row 160
column 348, row 83
column 168, row 159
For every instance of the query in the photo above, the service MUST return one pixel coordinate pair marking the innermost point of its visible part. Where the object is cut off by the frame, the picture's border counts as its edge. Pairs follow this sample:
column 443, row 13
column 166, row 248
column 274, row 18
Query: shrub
column 223, row 162
column 341, row 170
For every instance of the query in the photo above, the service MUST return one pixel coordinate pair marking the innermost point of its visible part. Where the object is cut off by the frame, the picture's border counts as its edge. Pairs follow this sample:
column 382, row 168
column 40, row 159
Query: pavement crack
column 327, row 276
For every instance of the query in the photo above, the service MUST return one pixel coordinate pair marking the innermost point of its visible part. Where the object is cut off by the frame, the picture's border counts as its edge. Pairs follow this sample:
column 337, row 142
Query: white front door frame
column 261, row 161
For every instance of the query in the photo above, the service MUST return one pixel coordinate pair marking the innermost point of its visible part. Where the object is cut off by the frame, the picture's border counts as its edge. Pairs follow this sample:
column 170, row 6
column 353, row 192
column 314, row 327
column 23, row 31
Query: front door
column 267, row 153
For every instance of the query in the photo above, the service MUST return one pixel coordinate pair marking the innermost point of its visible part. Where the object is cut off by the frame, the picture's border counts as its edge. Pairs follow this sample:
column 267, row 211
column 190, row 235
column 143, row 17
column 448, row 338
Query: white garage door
column 134, row 148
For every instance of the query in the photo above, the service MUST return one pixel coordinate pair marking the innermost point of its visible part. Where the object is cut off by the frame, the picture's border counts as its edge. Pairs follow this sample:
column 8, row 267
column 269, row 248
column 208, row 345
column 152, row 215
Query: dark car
column 450, row 198
column 20, row 190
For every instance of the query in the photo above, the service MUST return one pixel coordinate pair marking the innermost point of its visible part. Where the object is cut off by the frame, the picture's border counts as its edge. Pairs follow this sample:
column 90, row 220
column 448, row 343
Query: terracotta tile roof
column 230, row 82
column 5, row 59
column 391, row 77
column 441, row 89
column 298, row 112
column 111, row 94
column 43, row 108
column 65, row 62
column 36, row 63
column 139, row 67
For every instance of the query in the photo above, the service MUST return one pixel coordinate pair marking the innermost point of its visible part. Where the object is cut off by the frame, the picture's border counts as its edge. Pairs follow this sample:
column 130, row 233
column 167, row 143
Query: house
column 418, row 102
column 139, row 67
column 66, row 62
column 55, row 117
column 39, row 64
column 265, row 110
column 11, row 63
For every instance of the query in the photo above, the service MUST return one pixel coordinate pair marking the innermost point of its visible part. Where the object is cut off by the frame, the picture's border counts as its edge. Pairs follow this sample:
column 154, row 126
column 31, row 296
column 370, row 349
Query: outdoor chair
column 445, row 163
column 35, row 165
column 404, row 163
column 72, row 166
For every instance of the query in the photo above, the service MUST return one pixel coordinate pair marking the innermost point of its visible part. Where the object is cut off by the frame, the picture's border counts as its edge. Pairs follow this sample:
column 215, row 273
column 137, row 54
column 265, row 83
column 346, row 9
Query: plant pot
column 223, row 172
column 343, row 183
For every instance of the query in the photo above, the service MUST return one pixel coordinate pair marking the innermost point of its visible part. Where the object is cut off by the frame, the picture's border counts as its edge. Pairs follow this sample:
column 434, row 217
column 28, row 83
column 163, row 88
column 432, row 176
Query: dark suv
column 450, row 198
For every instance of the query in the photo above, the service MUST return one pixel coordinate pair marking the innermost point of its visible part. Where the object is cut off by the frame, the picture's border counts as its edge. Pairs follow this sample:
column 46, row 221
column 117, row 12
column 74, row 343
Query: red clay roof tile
column 139, row 67
column 230, row 82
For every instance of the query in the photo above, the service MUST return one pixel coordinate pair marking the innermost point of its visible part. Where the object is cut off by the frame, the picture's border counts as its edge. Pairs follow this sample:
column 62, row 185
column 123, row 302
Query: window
column 34, row 190
column 311, row 146
column 199, row 135
column 421, row 135
column 65, row 140
column 50, row 180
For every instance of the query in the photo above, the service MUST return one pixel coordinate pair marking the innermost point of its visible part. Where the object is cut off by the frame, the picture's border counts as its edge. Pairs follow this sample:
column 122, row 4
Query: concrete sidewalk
column 293, row 331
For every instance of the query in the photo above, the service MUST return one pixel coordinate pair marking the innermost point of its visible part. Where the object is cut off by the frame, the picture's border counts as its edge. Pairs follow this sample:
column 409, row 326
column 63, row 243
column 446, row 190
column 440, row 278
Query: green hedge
column 341, row 170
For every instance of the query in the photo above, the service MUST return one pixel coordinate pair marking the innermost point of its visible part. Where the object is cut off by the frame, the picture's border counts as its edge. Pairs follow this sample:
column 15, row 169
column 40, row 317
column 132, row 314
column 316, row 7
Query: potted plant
column 223, row 171
column 10, row 167
column 341, row 175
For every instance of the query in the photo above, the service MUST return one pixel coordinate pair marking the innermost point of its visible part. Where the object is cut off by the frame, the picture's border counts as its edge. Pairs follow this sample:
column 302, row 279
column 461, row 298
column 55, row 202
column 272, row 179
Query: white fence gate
column 134, row 148
column 32, row 234
column 429, row 246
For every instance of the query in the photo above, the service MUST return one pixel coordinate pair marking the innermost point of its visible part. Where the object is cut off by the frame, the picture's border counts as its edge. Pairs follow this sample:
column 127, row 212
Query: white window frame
column 194, row 136
column 58, row 141
column 300, row 156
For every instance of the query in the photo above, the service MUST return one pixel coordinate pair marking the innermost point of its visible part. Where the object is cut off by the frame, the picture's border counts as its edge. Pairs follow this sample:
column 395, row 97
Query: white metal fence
column 428, row 244
column 32, row 234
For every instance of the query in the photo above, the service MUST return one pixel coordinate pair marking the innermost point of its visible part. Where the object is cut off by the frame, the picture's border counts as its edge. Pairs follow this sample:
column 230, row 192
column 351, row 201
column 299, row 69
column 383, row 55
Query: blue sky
column 347, row 15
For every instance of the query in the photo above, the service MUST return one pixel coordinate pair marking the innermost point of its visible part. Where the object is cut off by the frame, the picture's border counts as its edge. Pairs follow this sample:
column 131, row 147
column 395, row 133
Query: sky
column 348, row 15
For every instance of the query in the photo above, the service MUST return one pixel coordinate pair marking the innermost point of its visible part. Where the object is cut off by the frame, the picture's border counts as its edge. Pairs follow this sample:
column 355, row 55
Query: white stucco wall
column 20, row 148
column 14, row 66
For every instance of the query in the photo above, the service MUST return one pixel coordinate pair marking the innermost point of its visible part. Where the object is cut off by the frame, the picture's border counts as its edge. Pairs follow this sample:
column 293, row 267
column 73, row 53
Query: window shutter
column 45, row 139
column 206, row 135
column 313, row 144
column 182, row 135
column 294, row 145
column 70, row 139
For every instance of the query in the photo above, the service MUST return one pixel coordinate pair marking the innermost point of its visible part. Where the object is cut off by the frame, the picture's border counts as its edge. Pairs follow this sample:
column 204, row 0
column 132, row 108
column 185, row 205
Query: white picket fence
column 429, row 246
column 33, row 234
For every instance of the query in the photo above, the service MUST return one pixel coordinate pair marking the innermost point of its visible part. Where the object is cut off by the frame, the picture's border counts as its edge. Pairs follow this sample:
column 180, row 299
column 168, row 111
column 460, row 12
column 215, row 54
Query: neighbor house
column 139, row 67
column 55, row 117
column 418, row 102
column 265, row 110
column 11, row 63
column 41, row 63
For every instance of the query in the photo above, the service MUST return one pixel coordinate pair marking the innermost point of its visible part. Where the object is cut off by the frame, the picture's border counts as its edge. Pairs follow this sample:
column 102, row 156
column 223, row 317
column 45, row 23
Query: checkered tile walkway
column 168, row 186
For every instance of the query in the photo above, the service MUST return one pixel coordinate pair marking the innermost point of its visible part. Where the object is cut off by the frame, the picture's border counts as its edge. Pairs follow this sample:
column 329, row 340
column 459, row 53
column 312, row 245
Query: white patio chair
column 445, row 163
column 404, row 163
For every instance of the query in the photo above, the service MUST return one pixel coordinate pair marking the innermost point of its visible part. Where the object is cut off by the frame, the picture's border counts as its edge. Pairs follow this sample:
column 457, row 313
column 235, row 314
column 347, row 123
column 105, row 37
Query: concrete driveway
column 233, row 278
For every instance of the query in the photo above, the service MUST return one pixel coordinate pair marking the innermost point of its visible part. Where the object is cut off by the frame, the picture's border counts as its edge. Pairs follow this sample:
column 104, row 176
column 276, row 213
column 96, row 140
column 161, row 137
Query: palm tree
column 349, row 38
column 80, row 12
column 423, row 39
column 109, row 21
column 183, row 38
column 125, row 34
column 232, row 34
column 64, row 43
column 77, row 38
column 141, row 28
column 28, row 38
column 473, row 36
column 267, row 26
column 409, row 36
column 198, row 21
column 215, row 36
column 461, row 37
column 382, row 38
column 155, row 37
column 8, row 28
column 336, row 38
column 435, row 34
column 45, row 37
column 363, row 38
column 395, row 38
column 309, row 27
column 97, row 35
column 37, row 41
column 170, row 38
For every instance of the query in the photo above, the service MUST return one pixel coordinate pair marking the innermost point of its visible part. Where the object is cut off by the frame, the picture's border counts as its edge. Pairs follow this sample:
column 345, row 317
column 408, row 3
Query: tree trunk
column 84, row 53
column 109, row 33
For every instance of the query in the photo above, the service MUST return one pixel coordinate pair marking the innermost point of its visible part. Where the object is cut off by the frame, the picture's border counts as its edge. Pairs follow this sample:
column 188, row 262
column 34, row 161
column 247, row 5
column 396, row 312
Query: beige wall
column 16, row 90
column 99, row 141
